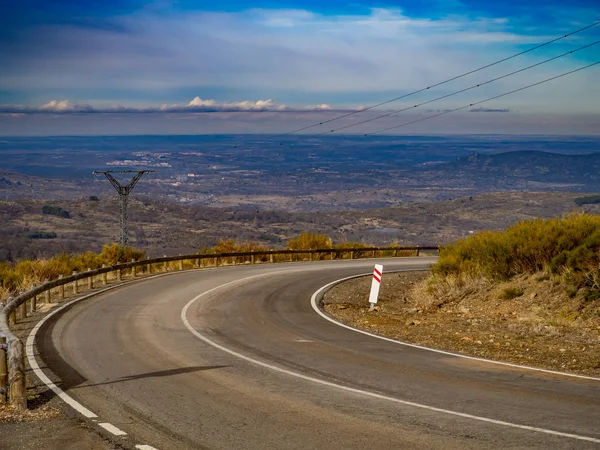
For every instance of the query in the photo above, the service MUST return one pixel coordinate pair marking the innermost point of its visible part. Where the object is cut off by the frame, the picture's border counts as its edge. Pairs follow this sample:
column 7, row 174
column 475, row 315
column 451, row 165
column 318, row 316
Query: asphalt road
column 128, row 356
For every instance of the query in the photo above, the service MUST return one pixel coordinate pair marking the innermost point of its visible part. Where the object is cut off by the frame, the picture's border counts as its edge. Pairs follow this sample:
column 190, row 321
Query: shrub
column 25, row 273
column 56, row 211
column 511, row 292
column 42, row 235
column 309, row 241
column 567, row 246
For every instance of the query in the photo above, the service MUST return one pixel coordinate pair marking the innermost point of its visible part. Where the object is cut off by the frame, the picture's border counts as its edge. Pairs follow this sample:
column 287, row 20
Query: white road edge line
column 313, row 302
column 354, row 390
column 145, row 447
column 30, row 346
column 112, row 429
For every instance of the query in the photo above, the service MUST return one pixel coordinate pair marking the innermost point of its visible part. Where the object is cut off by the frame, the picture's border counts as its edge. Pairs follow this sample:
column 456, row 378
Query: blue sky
column 269, row 66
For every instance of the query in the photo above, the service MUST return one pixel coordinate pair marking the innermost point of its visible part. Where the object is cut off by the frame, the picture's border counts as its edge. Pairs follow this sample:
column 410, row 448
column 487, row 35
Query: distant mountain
column 523, row 167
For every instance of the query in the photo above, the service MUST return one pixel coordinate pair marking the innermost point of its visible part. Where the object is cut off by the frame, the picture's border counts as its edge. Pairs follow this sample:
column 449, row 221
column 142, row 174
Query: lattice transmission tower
column 123, row 191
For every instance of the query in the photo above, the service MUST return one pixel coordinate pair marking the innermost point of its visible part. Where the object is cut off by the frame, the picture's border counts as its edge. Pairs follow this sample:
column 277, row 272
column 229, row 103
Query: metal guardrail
column 12, row 352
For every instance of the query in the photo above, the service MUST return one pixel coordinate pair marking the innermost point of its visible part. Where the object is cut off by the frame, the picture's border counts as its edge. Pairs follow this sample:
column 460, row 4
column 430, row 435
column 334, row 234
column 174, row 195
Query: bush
column 42, row 235
column 309, row 241
column 56, row 211
column 26, row 273
column 511, row 292
column 567, row 246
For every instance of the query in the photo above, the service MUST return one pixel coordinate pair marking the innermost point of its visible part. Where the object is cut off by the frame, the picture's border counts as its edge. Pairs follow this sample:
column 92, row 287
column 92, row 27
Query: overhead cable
column 441, row 82
column 391, row 113
column 483, row 101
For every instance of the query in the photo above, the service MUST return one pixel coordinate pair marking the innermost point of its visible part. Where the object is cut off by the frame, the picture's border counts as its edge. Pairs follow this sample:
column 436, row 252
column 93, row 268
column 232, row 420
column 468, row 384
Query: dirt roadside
column 542, row 327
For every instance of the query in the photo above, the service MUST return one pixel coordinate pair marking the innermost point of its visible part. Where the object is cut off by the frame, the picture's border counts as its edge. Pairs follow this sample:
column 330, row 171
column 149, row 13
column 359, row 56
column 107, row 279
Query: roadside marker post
column 375, row 284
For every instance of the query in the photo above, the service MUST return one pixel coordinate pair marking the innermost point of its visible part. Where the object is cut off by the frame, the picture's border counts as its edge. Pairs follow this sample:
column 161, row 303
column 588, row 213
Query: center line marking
column 354, row 390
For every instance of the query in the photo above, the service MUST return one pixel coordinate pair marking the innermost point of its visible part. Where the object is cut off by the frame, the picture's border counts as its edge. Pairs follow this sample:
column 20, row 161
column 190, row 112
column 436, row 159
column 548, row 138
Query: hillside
column 167, row 228
column 524, row 170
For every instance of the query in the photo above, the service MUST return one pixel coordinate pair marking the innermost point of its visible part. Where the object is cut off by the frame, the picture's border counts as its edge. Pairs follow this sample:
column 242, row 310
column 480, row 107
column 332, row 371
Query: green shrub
column 531, row 246
column 511, row 292
column 56, row 211
column 42, row 235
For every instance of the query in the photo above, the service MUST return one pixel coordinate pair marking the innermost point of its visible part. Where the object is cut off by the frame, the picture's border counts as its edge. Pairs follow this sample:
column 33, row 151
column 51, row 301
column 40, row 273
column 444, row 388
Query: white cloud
column 60, row 106
column 196, row 105
column 197, row 101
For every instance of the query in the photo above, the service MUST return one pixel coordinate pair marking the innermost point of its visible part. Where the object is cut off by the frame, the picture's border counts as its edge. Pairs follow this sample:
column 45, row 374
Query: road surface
column 236, row 358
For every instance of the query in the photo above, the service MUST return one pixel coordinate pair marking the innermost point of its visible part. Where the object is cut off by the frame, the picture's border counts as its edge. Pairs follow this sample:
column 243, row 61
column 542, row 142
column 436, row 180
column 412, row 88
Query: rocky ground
column 541, row 327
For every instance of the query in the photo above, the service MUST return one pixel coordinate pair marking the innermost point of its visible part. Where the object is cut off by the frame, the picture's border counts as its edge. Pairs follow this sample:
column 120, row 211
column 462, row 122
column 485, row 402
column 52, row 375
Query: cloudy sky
column 134, row 67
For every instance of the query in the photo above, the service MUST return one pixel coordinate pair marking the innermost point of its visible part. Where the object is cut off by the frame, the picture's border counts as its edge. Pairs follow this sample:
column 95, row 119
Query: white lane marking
column 354, row 390
column 313, row 302
column 112, row 429
column 145, row 447
column 30, row 345
column 29, row 349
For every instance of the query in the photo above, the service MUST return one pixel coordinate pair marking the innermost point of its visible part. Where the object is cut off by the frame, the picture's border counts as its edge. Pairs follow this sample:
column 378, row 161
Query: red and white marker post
column 375, row 284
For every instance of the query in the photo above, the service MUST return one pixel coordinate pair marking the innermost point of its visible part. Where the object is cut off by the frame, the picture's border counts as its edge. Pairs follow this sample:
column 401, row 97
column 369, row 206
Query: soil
column 542, row 327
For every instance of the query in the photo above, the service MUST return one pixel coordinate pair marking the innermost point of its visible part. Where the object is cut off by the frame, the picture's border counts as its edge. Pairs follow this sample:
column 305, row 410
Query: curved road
column 176, row 380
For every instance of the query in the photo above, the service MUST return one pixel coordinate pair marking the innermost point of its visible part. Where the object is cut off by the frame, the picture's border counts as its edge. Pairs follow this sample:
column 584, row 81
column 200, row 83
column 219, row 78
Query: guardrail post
column 217, row 261
column 3, row 371
column 75, row 285
column 252, row 257
column 61, row 290
column 418, row 250
column 396, row 252
column 180, row 264
column 104, row 276
column 90, row 281
column 23, row 308
column 166, row 265
column 196, row 263
column 271, row 257
column 133, row 270
column 16, row 375
column 33, row 303
column 352, row 254
column 373, row 253
column 332, row 257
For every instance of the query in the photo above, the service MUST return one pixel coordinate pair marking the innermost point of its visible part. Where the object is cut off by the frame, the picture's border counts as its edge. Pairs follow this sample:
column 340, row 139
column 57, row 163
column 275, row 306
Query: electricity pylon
column 123, row 191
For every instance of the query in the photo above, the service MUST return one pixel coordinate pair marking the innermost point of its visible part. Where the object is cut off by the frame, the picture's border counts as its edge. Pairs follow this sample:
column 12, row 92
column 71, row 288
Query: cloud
column 196, row 105
column 490, row 110
column 295, row 55
column 63, row 106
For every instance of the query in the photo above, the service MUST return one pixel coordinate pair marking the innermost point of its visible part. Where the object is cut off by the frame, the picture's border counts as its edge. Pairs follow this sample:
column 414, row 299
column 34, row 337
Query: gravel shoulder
column 542, row 327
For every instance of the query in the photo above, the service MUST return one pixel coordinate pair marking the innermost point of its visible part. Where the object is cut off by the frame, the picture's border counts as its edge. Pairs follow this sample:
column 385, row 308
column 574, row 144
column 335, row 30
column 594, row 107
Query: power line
column 484, row 101
column 440, row 83
column 391, row 113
